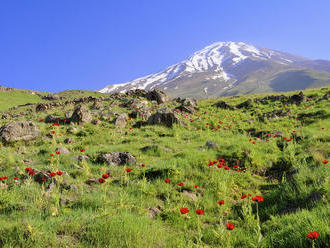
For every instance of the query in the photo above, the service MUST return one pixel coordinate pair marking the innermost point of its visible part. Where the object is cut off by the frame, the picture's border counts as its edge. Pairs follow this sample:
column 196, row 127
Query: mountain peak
column 224, row 65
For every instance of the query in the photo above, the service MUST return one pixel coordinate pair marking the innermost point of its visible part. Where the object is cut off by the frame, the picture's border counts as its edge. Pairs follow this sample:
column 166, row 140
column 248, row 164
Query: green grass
column 289, row 175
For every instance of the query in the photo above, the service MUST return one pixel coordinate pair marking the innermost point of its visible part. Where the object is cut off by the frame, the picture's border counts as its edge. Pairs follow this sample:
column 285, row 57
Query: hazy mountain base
column 289, row 175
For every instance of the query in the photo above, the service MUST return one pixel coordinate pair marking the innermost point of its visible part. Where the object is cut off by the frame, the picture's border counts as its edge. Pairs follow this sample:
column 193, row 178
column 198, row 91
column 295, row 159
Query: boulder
column 52, row 119
column 121, row 120
column 211, row 144
column 163, row 117
column 117, row 158
column 298, row 99
column 62, row 150
column 157, row 95
column 81, row 115
column 18, row 130
column 223, row 105
column 41, row 107
column 247, row 104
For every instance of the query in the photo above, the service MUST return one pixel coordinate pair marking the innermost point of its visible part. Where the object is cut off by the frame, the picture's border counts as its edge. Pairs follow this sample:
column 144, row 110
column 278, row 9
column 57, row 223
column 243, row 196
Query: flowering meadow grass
column 245, row 192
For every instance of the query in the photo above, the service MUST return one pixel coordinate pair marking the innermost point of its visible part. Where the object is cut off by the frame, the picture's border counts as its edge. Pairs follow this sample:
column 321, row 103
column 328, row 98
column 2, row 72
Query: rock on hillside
column 18, row 130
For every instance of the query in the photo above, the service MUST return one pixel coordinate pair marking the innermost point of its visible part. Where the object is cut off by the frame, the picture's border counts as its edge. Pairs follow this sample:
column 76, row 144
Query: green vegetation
column 289, row 172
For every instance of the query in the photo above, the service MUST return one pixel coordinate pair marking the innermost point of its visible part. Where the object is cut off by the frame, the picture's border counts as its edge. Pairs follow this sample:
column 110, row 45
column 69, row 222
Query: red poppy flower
column 167, row 180
column 312, row 235
column 52, row 155
column 195, row 186
column 58, row 153
column 199, row 211
column 325, row 161
column 230, row 226
column 43, row 179
column 128, row 169
column 253, row 142
column 70, row 141
column 41, row 120
column 52, row 174
column 101, row 180
column 28, row 169
column 219, row 165
column 60, row 173
column 227, row 168
column 221, row 202
column 249, row 195
column 15, row 178
column 235, row 166
column 184, row 210
column 143, row 165
column 180, row 184
column 31, row 173
column 257, row 198
column 105, row 176
column 53, row 132
column 82, row 150
column 243, row 196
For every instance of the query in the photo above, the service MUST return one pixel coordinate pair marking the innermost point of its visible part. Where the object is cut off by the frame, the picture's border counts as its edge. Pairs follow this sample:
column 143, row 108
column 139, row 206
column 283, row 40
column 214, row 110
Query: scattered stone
column 190, row 195
column 117, row 158
column 247, row 104
column 298, row 99
column 153, row 211
column 81, row 115
column 121, row 120
column 62, row 150
column 223, row 105
column 18, row 130
column 163, row 117
column 211, row 144
column 157, row 95
column 52, row 119
column 81, row 158
column 279, row 134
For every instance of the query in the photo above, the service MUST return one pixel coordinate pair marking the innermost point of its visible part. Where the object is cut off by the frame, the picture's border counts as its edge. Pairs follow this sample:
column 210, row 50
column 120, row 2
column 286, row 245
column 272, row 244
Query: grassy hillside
column 140, row 208
column 15, row 97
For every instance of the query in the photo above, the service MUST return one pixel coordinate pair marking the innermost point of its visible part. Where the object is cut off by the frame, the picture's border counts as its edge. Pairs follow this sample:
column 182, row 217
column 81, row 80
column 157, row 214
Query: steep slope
column 221, row 67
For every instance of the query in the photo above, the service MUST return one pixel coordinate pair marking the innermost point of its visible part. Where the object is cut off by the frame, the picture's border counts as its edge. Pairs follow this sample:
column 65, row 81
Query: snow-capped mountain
column 221, row 68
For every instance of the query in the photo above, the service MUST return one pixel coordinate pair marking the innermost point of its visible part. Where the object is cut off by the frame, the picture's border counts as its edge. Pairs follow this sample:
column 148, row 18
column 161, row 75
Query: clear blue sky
column 55, row 45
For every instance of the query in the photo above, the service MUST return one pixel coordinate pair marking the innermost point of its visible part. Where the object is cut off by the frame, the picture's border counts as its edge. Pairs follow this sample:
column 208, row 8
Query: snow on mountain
column 220, row 58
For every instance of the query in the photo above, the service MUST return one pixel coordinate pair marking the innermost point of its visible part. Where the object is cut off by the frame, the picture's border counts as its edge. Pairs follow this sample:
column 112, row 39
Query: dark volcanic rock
column 18, row 130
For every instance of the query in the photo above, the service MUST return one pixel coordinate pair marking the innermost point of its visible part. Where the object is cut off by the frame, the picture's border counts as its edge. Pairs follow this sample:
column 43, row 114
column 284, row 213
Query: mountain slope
column 227, row 68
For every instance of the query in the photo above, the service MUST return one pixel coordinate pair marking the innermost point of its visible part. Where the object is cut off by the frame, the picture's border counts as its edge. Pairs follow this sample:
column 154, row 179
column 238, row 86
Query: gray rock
column 223, row 105
column 117, row 158
column 18, row 130
column 62, row 150
column 121, row 120
column 52, row 119
column 81, row 115
column 163, row 117
column 211, row 144
column 157, row 95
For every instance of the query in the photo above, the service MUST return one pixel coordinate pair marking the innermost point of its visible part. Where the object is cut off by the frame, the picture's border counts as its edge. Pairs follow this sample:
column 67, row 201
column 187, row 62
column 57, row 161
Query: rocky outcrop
column 188, row 105
column 18, row 130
